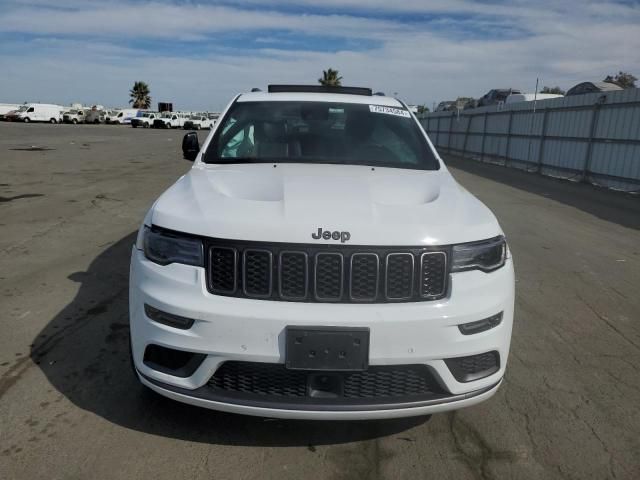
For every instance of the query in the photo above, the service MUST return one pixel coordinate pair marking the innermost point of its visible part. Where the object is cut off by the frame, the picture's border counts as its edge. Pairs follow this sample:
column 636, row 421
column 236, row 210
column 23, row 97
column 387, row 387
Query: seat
column 272, row 141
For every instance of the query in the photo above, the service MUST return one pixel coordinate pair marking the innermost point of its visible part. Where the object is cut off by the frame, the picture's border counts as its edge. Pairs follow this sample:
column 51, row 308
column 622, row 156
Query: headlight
column 487, row 255
column 165, row 248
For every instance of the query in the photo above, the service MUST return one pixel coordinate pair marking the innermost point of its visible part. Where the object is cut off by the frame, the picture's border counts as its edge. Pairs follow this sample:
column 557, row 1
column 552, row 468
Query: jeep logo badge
column 328, row 235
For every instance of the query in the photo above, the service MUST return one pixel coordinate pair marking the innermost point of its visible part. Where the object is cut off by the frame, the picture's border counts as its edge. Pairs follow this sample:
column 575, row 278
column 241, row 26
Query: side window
column 31, row 109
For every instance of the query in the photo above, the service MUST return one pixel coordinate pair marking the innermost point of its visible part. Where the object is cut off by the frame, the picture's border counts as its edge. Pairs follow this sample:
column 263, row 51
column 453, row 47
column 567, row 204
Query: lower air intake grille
column 260, row 379
column 253, row 380
column 387, row 382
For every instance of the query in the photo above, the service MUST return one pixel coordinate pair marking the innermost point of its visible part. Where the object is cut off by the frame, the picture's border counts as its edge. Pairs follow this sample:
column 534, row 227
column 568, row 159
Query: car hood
column 289, row 202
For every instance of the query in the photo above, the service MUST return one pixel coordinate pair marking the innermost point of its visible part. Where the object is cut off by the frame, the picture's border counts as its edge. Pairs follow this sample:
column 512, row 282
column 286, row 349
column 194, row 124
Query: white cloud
column 162, row 20
column 562, row 42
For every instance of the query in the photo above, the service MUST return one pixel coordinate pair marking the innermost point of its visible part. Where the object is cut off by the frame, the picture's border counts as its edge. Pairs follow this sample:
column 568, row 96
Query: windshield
column 147, row 115
column 320, row 132
column 194, row 117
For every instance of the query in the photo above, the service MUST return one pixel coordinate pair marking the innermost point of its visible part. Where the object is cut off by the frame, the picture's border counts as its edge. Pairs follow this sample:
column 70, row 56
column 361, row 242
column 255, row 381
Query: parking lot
column 71, row 200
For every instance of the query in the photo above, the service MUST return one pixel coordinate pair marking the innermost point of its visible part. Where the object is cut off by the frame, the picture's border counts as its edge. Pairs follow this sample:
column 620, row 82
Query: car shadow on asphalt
column 612, row 206
column 83, row 352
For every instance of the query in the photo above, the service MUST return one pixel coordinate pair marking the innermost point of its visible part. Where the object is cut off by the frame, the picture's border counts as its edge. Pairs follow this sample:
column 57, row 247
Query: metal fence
column 593, row 138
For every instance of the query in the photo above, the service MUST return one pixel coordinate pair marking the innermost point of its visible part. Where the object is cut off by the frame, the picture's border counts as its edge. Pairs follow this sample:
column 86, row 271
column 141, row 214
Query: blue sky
column 198, row 54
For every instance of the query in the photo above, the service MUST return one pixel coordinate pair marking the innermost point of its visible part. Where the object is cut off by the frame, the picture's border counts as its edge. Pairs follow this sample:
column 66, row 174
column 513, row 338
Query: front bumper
column 235, row 329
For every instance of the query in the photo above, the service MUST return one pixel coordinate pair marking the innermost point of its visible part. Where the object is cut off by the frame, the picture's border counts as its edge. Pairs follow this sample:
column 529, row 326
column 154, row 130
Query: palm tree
column 330, row 78
column 139, row 94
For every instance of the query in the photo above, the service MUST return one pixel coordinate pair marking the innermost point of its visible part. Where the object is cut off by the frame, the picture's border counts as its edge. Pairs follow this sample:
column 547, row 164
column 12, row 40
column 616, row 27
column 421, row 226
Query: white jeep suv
column 320, row 262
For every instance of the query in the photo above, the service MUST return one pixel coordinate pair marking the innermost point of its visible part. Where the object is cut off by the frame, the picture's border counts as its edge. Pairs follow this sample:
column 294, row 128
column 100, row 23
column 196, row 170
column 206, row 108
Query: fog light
column 481, row 325
column 168, row 319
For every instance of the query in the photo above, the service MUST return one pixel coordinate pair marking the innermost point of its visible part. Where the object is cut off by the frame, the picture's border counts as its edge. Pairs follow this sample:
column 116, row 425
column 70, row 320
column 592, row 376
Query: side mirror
column 190, row 146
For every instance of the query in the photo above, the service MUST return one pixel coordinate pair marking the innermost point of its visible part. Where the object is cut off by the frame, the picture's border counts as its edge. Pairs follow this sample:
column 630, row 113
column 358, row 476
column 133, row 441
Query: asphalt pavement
column 71, row 199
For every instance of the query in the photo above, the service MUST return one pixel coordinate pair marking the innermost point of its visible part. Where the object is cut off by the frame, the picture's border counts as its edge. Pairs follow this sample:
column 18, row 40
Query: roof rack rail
column 319, row 89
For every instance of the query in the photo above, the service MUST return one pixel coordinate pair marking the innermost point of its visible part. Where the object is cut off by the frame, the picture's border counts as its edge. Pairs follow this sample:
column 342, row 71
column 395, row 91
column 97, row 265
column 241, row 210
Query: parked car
column 12, row 116
column 196, row 122
column 74, row 116
column 169, row 120
column 496, row 96
column 320, row 262
column 95, row 116
column 39, row 112
column 124, row 116
column 465, row 103
column 446, row 106
column 530, row 97
column 6, row 108
column 471, row 104
column 592, row 87
column 145, row 120
column 109, row 114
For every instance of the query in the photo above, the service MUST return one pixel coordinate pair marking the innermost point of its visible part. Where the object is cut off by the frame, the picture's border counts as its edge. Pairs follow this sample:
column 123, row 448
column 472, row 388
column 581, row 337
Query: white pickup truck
column 170, row 120
column 145, row 120
column 320, row 262
column 197, row 122
column 74, row 116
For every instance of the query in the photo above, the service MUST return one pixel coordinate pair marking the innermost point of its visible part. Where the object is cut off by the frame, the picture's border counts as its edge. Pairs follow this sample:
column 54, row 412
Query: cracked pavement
column 70, row 408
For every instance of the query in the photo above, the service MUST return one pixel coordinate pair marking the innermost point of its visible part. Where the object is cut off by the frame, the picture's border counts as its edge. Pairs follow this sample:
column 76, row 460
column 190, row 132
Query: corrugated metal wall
column 593, row 138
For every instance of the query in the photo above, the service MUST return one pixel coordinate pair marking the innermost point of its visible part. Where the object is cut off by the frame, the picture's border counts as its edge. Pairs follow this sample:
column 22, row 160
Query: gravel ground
column 71, row 408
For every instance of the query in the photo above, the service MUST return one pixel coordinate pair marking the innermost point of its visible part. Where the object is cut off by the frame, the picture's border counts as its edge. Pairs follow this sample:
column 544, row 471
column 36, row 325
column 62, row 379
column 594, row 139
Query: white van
column 41, row 112
column 124, row 116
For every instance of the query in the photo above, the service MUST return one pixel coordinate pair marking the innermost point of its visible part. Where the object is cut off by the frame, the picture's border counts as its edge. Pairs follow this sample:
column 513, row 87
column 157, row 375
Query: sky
column 198, row 54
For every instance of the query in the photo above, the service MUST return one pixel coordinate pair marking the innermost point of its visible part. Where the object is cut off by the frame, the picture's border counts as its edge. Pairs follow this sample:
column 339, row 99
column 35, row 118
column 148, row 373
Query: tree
column 555, row 90
column 330, row 78
column 423, row 109
column 139, row 94
column 622, row 79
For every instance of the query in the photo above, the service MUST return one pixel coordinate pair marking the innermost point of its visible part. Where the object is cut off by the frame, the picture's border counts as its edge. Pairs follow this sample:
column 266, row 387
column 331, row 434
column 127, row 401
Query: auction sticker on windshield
column 389, row 110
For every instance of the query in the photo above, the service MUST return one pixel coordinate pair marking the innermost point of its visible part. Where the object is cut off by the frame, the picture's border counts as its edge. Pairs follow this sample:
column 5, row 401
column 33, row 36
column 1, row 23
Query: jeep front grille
column 326, row 273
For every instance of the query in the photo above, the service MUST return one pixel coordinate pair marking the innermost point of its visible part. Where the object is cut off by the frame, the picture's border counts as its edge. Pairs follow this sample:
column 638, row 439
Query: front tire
column 26, row 120
column 53, row 120
column 74, row 121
